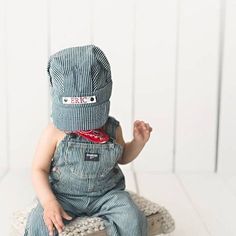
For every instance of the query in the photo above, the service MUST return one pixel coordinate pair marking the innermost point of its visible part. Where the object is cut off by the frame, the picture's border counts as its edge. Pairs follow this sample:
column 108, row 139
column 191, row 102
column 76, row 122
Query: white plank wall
column 27, row 92
column 227, row 138
column 3, row 93
column 164, row 56
column 155, row 51
column 69, row 24
column 197, row 81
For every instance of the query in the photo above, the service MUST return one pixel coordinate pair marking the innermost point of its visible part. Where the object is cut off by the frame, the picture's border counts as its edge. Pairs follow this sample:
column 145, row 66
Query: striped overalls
column 87, row 181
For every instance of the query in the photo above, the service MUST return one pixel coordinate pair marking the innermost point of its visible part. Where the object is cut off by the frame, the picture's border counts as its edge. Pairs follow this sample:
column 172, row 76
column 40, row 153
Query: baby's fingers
column 66, row 216
column 50, row 226
column 149, row 127
column 60, row 224
column 57, row 224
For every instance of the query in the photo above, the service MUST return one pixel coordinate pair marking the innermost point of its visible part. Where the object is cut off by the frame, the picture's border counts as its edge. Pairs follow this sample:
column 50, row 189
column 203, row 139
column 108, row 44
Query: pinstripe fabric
column 93, row 187
column 78, row 72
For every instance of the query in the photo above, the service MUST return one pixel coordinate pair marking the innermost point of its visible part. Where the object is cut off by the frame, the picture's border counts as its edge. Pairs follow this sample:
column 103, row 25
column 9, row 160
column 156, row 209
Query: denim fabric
column 80, row 87
column 87, row 180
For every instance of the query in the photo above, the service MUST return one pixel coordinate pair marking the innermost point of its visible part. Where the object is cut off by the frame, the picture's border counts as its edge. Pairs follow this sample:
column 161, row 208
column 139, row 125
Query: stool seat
column 159, row 220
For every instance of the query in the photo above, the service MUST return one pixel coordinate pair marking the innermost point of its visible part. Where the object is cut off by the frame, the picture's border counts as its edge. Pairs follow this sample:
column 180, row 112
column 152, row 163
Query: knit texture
column 160, row 220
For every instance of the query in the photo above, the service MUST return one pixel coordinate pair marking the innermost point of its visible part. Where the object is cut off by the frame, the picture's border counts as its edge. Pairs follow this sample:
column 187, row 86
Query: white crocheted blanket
column 81, row 226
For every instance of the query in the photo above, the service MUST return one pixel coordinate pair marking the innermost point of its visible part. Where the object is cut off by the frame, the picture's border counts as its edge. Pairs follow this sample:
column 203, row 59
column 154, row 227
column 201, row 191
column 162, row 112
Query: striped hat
column 80, row 87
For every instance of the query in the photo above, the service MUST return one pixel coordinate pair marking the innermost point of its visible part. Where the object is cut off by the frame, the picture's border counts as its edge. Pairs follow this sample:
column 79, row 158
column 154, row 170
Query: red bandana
column 94, row 135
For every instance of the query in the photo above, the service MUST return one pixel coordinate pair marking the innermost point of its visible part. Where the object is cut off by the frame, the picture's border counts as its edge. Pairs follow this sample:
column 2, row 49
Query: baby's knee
column 134, row 222
column 131, row 210
column 135, row 215
column 35, row 224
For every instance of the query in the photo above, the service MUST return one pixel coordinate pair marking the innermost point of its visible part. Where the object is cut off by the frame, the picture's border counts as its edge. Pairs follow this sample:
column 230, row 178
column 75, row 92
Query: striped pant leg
column 35, row 224
column 122, row 216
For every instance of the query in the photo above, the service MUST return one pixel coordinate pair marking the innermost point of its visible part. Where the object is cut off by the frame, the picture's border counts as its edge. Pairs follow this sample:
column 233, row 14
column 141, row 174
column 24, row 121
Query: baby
column 75, row 170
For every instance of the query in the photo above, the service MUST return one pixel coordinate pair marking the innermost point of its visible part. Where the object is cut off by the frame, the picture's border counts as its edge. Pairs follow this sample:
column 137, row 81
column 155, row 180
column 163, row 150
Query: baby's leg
column 35, row 224
column 121, row 214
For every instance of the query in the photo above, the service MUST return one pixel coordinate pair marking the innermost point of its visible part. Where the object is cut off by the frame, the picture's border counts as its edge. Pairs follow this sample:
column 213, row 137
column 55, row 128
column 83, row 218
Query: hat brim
column 80, row 118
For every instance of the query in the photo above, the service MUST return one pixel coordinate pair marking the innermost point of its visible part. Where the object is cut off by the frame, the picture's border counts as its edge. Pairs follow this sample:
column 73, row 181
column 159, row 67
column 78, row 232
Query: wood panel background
column 173, row 65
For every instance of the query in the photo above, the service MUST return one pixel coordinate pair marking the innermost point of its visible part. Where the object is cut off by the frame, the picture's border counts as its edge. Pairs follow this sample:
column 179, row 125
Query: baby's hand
column 53, row 213
column 141, row 131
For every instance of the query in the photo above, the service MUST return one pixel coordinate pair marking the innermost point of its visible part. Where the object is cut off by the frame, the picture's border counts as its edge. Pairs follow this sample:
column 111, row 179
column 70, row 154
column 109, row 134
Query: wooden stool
column 159, row 220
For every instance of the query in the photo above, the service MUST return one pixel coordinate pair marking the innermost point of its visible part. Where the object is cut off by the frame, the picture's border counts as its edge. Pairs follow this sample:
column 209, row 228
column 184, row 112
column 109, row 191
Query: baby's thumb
column 66, row 216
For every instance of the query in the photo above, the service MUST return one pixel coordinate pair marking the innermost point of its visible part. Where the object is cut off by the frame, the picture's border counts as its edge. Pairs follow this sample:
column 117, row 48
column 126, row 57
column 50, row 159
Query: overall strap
column 111, row 126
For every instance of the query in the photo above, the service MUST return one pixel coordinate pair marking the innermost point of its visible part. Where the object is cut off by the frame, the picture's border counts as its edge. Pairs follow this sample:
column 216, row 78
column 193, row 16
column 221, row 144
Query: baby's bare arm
column 131, row 149
column 53, row 211
column 41, row 164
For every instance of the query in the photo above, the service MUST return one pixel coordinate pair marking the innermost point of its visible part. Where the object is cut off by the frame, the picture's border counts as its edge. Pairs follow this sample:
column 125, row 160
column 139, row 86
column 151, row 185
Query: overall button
column 115, row 170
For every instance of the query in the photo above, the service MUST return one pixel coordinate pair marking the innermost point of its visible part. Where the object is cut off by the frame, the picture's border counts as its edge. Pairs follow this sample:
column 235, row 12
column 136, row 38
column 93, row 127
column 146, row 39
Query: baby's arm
column 41, row 164
column 141, row 134
column 53, row 211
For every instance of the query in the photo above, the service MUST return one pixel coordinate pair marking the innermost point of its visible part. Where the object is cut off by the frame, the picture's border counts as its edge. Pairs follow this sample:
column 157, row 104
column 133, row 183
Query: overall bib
column 87, row 181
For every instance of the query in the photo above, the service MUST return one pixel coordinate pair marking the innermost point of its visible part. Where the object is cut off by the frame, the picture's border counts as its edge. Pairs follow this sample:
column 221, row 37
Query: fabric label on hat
column 91, row 157
column 79, row 100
